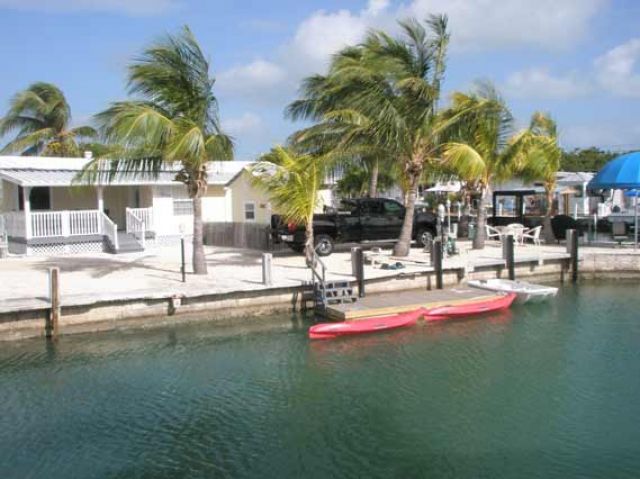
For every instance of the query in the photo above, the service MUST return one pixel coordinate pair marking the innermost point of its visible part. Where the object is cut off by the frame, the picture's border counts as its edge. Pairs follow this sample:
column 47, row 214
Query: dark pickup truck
column 355, row 221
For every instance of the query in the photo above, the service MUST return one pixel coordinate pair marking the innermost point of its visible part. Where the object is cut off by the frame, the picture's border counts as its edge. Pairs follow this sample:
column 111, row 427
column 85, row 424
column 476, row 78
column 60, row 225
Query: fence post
column 51, row 328
column 358, row 267
column 267, row 277
column 572, row 249
column 508, row 254
column 436, row 258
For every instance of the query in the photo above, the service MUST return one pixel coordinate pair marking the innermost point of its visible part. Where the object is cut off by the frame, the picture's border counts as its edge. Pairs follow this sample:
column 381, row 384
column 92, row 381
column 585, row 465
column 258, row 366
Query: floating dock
column 387, row 304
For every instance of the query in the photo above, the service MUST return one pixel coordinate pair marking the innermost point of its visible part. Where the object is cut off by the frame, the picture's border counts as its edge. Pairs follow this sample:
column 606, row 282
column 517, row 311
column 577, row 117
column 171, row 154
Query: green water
column 548, row 391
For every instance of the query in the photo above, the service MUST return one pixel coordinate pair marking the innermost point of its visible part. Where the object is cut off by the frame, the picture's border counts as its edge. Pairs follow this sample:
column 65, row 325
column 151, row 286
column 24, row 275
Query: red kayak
column 363, row 326
column 468, row 309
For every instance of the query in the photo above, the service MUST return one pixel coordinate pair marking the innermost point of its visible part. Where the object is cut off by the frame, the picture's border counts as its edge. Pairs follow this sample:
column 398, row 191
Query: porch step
column 127, row 243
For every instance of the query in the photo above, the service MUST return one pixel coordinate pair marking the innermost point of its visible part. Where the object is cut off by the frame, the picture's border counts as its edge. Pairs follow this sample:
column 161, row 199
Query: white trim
column 244, row 211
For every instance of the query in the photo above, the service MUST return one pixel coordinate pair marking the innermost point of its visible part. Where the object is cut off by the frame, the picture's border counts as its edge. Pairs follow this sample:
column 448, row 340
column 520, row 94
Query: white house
column 45, row 210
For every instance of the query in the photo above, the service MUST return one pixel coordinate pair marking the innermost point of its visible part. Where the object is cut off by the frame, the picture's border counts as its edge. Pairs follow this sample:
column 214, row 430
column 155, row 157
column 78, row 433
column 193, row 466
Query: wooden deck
column 400, row 302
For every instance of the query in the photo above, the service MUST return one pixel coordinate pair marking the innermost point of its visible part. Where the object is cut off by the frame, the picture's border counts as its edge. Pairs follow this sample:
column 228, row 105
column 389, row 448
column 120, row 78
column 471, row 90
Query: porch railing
column 109, row 229
column 136, row 225
column 47, row 224
column 143, row 214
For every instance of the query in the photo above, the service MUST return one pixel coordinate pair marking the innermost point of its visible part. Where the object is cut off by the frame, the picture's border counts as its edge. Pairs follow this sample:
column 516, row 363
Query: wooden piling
column 52, row 328
column 436, row 256
column 267, row 275
column 572, row 249
column 359, row 270
column 508, row 254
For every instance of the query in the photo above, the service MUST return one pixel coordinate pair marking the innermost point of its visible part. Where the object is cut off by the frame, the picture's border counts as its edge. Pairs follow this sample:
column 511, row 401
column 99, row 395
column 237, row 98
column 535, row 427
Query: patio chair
column 532, row 234
column 493, row 233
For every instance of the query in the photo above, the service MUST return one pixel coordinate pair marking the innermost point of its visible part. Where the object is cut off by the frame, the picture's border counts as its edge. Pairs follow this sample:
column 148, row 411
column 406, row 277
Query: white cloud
column 255, row 79
column 541, row 84
column 474, row 24
column 616, row 72
column 129, row 7
column 248, row 124
column 482, row 24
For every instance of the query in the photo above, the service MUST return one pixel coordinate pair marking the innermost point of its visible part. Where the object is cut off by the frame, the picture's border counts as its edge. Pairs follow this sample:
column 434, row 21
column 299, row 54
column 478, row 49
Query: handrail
column 136, row 226
column 315, row 259
column 110, row 230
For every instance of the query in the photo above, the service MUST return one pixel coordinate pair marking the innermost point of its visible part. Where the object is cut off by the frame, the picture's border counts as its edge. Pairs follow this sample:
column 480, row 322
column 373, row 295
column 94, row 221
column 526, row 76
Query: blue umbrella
column 621, row 173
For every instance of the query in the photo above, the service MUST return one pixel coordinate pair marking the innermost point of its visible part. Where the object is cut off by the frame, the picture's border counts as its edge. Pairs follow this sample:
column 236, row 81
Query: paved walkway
column 157, row 272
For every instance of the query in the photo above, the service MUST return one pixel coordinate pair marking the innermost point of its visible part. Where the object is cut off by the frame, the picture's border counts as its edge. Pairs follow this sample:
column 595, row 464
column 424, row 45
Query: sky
column 576, row 59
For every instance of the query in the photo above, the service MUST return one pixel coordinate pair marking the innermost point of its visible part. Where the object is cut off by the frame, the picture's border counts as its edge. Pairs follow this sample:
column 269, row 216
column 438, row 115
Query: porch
column 76, row 231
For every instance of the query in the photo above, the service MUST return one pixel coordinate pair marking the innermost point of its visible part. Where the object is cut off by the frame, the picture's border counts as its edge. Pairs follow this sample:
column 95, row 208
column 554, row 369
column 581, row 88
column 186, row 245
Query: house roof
column 61, row 172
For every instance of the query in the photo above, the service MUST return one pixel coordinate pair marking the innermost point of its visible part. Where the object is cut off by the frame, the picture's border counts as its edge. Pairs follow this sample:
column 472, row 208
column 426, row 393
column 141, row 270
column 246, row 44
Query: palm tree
column 41, row 116
column 175, row 120
column 542, row 161
column 485, row 150
column 292, row 182
column 382, row 95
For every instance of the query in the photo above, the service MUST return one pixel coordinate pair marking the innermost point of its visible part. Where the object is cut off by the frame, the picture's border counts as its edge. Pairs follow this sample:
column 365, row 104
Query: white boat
column 525, row 292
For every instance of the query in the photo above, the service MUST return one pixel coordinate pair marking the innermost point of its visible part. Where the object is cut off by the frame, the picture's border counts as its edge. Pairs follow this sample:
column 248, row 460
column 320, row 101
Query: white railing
column 145, row 215
column 109, row 229
column 47, row 224
column 14, row 224
column 136, row 226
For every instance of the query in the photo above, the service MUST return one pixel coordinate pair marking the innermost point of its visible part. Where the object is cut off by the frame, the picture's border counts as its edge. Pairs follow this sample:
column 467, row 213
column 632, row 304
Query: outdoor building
column 45, row 209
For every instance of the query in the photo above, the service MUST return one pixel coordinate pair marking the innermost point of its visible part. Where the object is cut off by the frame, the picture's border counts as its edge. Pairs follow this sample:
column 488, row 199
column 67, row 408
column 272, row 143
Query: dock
column 387, row 304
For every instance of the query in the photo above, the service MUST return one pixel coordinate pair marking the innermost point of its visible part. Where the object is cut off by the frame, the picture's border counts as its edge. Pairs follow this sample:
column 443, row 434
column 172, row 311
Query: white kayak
column 525, row 292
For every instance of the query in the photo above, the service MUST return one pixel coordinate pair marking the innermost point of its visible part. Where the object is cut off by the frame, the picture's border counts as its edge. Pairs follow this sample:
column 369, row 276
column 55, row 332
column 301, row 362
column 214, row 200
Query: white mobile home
column 45, row 210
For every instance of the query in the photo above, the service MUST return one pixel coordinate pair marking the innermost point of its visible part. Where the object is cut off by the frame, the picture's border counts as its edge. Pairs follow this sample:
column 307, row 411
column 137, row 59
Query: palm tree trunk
column 478, row 240
column 373, row 180
column 549, row 237
column 403, row 246
column 198, row 260
column 308, row 243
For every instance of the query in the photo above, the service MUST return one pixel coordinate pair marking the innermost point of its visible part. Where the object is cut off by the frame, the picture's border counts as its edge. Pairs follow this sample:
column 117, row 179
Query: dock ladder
column 326, row 292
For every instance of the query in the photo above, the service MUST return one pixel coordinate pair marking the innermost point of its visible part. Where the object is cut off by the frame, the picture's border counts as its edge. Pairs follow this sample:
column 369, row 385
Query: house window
column 250, row 211
column 182, row 207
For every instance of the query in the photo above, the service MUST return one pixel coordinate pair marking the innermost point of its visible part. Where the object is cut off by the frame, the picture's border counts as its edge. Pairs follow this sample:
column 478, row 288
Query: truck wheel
column 424, row 237
column 324, row 245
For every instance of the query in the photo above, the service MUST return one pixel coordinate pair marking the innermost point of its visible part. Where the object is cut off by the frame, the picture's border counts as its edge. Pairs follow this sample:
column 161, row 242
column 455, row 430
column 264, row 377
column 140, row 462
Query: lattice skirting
column 61, row 249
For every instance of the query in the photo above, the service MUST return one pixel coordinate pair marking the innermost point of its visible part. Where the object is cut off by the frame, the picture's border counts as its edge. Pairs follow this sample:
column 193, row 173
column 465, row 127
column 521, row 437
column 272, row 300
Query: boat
column 364, row 326
column 526, row 292
column 449, row 311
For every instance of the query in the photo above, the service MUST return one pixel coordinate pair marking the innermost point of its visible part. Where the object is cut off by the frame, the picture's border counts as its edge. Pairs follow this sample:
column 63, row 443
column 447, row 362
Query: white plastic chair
column 533, row 234
column 493, row 233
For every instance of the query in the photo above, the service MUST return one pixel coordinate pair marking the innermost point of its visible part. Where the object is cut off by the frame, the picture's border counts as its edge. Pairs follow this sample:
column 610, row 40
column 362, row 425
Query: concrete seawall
column 81, row 314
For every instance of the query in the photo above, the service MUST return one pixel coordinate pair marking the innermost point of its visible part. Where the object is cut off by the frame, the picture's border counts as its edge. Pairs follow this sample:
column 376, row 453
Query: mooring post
column 572, row 249
column 51, row 329
column 354, row 261
column 183, row 267
column 267, row 277
column 359, row 269
column 508, row 255
column 436, row 258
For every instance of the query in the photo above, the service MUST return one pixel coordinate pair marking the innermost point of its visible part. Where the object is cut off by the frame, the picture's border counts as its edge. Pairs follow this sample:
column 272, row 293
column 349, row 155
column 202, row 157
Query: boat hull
column 525, row 292
column 498, row 303
column 364, row 326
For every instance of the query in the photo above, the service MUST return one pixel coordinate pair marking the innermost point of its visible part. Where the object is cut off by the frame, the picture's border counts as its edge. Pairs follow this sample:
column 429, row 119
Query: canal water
column 543, row 391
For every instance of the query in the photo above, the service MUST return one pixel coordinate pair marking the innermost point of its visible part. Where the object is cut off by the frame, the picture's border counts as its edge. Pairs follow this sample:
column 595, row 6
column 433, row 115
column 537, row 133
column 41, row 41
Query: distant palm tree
column 484, row 149
column 541, row 160
column 383, row 96
column 41, row 116
column 174, row 121
column 291, row 182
